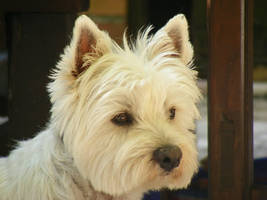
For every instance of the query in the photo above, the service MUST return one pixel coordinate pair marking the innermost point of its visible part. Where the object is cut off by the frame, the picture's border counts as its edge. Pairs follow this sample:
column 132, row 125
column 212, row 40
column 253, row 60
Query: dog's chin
column 178, row 180
column 175, row 179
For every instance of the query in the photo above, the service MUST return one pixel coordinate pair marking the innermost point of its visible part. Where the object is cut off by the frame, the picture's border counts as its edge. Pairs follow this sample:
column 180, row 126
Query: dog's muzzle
column 168, row 157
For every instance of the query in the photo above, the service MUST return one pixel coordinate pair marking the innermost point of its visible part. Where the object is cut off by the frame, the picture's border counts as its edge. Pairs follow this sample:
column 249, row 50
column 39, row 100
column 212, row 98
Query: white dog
column 122, row 120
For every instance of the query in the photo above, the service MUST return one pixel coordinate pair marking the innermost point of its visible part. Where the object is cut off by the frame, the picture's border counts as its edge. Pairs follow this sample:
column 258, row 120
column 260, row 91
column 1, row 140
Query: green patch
column 260, row 73
column 264, row 96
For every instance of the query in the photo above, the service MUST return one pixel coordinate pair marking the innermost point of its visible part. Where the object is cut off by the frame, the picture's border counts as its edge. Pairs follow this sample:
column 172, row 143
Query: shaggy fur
column 82, row 154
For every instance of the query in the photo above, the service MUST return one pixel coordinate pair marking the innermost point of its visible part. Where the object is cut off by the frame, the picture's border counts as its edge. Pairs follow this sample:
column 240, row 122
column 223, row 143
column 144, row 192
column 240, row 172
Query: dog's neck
column 84, row 189
column 88, row 193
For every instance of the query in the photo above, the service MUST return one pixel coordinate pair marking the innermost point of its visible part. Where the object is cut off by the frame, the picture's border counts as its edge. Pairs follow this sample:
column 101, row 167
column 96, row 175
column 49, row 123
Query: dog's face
column 127, row 115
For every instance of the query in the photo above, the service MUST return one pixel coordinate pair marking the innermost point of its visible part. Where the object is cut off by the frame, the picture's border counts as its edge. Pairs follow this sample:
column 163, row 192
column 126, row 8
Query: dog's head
column 126, row 115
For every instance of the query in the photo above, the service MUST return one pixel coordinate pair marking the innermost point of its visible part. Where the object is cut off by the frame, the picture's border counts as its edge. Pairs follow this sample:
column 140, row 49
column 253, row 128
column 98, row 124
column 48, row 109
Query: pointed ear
column 89, row 43
column 177, row 29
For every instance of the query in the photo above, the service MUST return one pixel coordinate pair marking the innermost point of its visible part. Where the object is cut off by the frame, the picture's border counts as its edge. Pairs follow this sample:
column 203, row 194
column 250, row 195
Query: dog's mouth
column 175, row 172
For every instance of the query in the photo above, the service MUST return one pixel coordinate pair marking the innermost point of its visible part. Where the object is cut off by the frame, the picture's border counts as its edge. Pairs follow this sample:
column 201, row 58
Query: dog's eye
column 172, row 113
column 122, row 119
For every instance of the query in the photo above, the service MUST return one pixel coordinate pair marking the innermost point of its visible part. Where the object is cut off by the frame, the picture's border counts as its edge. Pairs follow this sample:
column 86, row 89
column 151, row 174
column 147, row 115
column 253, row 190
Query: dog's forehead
column 133, row 80
column 147, row 88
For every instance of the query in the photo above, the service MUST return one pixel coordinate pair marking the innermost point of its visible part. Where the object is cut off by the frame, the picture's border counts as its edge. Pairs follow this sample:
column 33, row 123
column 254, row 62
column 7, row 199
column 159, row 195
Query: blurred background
column 24, row 105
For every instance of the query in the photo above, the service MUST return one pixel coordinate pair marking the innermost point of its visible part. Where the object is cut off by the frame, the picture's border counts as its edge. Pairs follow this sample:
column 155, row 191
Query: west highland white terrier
column 122, row 120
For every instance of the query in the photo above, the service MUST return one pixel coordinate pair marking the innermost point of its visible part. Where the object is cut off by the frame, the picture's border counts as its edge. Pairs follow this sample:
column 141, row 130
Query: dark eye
column 172, row 113
column 122, row 119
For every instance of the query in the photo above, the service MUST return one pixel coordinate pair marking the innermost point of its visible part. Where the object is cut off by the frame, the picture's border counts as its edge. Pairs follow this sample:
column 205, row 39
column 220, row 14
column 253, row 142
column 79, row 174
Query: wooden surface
column 34, row 33
column 46, row 6
column 230, row 99
column 35, row 42
column 259, row 192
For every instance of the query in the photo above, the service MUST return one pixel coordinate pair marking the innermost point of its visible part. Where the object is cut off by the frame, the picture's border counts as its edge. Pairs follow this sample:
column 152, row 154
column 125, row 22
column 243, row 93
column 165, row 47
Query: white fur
column 82, row 155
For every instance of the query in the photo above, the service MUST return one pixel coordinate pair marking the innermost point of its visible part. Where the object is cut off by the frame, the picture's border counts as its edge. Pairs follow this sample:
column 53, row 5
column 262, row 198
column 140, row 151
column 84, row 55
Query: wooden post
column 230, row 99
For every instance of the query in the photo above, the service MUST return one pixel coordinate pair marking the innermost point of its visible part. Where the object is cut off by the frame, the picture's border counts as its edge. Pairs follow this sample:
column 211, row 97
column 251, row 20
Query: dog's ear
column 89, row 43
column 177, row 29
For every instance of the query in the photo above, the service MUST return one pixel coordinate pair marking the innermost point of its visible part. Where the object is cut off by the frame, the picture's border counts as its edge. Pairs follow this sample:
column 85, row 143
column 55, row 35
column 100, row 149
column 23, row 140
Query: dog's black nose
column 168, row 157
